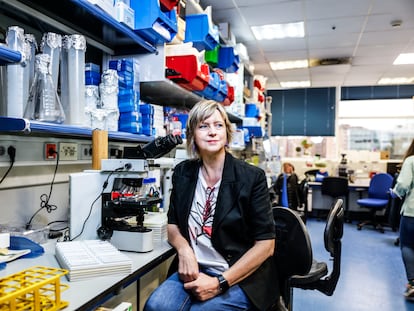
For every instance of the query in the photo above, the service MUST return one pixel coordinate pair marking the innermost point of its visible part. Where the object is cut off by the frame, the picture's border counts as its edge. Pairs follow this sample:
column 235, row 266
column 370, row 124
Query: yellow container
column 37, row 288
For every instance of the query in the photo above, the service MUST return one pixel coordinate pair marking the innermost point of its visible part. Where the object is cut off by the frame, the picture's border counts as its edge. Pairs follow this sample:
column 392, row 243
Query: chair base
column 377, row 226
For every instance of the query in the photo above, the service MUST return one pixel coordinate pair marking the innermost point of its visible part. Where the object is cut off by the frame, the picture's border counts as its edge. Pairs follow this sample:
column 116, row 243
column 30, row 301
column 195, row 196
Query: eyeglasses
column 218, row 126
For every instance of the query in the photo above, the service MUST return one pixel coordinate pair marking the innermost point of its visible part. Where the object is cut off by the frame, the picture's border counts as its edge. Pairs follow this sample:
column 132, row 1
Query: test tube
column 15, row 74
column 30, row 47
column 76, row 79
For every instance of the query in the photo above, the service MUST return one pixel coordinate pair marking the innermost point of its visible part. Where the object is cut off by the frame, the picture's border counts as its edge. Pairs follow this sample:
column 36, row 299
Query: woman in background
column 292, row 186
column 221, row 224
column 404, row 188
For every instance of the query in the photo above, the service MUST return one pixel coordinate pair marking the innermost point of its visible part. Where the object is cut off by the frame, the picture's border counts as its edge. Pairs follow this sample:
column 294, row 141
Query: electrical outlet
column 85, row 152
column 4, row 145
column 50, row 151
column 68, row 151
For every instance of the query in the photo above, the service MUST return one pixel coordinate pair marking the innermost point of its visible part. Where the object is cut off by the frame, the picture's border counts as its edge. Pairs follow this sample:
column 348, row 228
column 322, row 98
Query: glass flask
column 43, row 103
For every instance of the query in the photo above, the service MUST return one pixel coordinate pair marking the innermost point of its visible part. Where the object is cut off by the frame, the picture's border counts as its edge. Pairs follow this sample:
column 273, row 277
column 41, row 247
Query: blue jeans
column 171, row 296
column 407, row 245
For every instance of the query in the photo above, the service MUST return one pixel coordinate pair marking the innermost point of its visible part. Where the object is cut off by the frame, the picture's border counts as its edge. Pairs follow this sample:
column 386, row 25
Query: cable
column 105, row 184
column 44, row 198
column 11, row 151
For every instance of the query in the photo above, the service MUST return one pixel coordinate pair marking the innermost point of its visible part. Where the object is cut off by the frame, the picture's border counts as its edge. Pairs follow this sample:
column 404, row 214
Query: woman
column 220, row 223
column 404, row 188
column 292, row 193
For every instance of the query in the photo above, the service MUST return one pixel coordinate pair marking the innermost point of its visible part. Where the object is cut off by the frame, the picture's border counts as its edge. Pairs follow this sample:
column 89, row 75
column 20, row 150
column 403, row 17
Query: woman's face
column 288, row 169
column 210, row 135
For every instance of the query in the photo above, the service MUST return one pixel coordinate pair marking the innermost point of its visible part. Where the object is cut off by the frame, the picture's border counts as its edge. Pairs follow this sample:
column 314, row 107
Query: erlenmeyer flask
column 43, row 103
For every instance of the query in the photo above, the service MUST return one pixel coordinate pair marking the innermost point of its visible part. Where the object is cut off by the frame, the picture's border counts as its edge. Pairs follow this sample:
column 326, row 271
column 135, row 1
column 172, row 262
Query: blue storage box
column 92, row 67
column 199, row 31
column 131, row 116
column 131, row 127
column 125, row 79
column 152, row 23
column 228, row 60
column 213, row 87
column 92, row 78
column 127, row 105
column 250, row 110
column 122, row 65
column 221, row 95
column 146, row 109
column 255, row 131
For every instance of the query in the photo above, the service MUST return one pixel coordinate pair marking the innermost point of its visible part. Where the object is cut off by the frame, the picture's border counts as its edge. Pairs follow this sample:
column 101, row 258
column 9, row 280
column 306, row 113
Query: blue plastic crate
column 146, row 109
column 251, row 110
column 228, row 60
column 126, row 79
column 131, row 127
column 124, row 64
column 92, row 67
column 152, row 23
column 199, row 31
column 221, row 95
column 255, row 131
column 92, row 78
column 213, row 87
column 127, row 105
column 129, row 116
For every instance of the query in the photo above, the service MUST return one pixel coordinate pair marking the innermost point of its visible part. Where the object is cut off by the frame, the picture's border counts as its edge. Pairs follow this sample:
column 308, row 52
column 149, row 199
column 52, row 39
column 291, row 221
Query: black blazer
column 243, row 215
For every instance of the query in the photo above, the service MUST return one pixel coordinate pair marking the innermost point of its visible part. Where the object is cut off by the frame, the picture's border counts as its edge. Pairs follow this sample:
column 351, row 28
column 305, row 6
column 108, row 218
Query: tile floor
column 372, row 273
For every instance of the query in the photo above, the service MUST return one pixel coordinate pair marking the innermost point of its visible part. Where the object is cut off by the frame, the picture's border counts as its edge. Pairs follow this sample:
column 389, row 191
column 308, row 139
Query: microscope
column 124, row 207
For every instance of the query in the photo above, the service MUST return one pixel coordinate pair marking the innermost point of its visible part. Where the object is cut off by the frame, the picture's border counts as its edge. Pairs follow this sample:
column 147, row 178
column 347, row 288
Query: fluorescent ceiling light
column 292, row 84
column 404, row 59
column 279, row 31
column 292, row 64
column 401, row 80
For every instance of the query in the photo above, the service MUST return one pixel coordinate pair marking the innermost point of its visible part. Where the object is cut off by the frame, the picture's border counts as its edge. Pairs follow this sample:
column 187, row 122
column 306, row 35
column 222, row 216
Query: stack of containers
column 128, row 94
column 147, row 117
column 92, row 81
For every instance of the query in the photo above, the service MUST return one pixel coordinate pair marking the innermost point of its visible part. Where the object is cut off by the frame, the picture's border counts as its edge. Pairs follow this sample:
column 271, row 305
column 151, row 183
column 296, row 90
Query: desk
column 322, row 202
column 89, row 294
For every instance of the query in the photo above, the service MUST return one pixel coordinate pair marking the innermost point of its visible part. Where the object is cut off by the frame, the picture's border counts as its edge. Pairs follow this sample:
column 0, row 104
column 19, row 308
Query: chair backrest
column 293, row 252
column 334, row 186
column 333, row 233
column 379, row 186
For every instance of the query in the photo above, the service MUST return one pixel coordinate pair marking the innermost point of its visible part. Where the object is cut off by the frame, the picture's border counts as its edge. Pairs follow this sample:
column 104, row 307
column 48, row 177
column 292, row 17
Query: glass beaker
column 43, row 103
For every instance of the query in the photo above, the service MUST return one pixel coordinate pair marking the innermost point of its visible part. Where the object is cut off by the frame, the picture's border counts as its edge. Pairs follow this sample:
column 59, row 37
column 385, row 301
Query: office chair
column 377, row 200
column 303, row 190
column 336, row 187
column 293, row 253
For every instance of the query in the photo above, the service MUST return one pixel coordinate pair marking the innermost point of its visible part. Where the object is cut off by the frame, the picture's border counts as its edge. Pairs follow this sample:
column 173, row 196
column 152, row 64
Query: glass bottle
column 43, row 103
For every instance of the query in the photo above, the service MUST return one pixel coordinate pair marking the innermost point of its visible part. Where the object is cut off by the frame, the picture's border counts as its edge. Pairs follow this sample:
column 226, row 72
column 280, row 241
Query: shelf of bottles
column 24, row 126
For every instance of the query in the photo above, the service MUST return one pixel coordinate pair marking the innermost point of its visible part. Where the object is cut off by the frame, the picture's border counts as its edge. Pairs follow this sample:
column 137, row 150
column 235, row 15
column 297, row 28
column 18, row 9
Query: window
column 376, row 125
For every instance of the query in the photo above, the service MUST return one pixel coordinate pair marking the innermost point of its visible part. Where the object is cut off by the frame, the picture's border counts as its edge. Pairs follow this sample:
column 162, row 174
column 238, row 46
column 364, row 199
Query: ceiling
column 360, row 30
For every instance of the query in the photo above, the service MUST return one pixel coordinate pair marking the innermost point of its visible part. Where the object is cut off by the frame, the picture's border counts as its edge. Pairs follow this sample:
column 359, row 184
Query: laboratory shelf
column 19, row 125
column 9, row 56
column 170, row 94
column 79, row 16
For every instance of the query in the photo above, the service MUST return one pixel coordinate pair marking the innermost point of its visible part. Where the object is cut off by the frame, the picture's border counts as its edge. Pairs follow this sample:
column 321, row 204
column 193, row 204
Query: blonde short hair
column 200, row 112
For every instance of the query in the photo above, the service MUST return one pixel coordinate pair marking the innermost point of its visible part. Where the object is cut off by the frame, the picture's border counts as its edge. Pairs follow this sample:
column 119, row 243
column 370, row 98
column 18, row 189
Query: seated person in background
column 321, row 174
column 292, row 187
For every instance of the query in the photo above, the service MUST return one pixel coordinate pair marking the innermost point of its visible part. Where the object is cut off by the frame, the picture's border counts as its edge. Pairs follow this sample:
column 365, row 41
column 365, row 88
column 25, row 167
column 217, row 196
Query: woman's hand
column 187, row 265
column 204, row 287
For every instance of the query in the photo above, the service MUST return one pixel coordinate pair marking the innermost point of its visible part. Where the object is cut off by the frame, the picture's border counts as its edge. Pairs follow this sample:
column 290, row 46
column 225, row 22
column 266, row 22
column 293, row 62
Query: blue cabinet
column 303, row 112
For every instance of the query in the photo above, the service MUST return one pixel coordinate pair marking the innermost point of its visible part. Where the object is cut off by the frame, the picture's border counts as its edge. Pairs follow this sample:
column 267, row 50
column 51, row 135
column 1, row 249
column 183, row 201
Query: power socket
column 4, row 145
column 85, row 152
column 68, row 151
